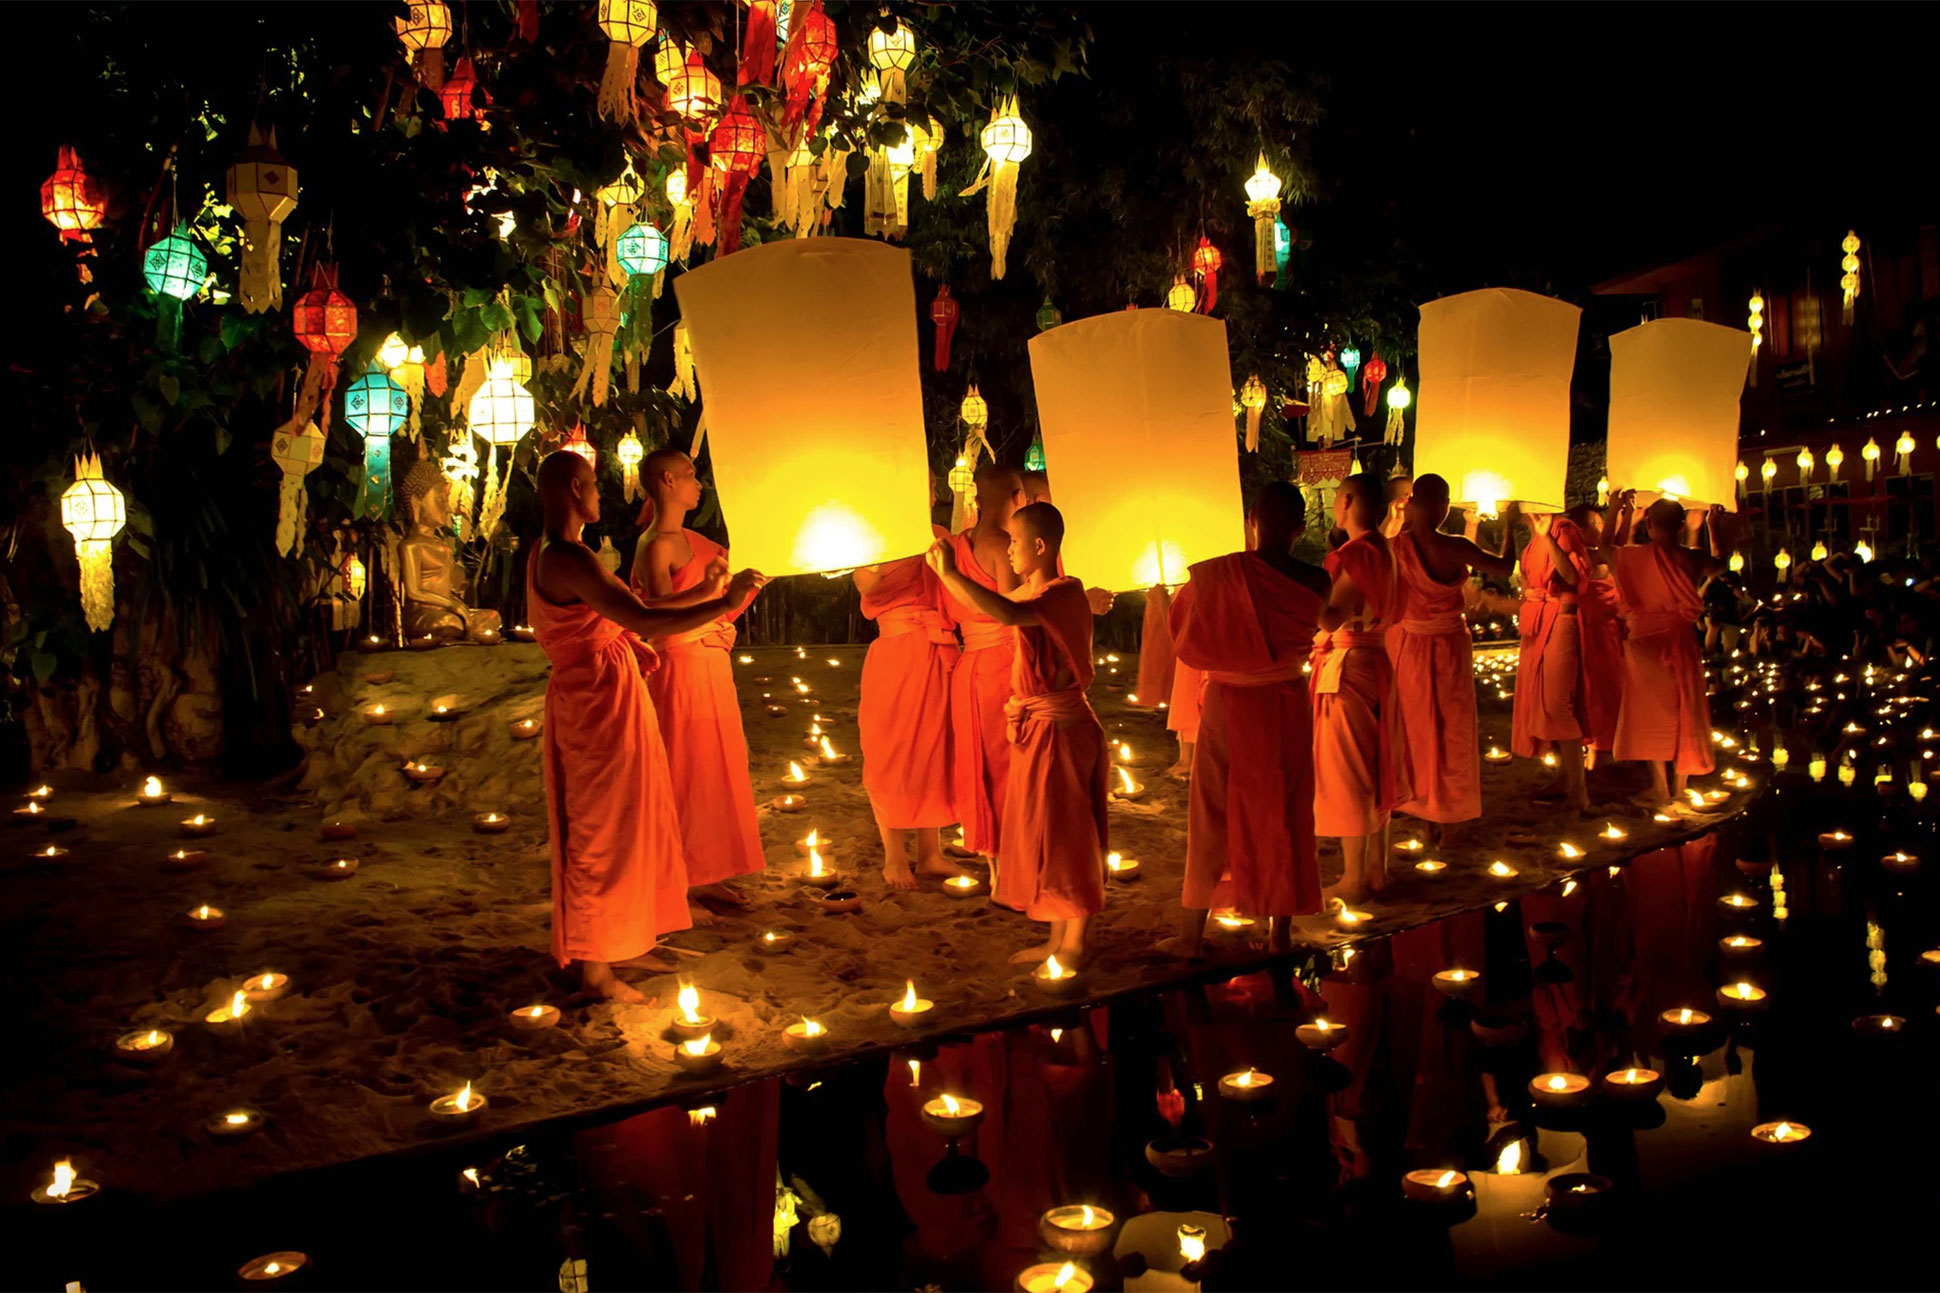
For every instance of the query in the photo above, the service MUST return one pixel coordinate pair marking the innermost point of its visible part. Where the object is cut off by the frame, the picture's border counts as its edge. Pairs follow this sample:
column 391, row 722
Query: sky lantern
column 1674, row 389
column 93, row 511
column 325, row 322
column 735, row 149
column 1006, row 144
column 832, row 482
column 1206, row 261
column 1173, row 496
column 892, row 53
column 262, row 188
column 1849, row 273
column 298, row 450
column 628, row 25
column 943, row 313
column 1492, row 411
column 1263, row 205
column 424, row 31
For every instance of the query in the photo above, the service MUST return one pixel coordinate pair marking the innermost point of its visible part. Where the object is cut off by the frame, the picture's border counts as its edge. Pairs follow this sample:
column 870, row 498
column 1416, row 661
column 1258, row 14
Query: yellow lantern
column 668, row 59
column 631, row 454
column 975, row 411
column 1181, row 296
column 405, row 364
column 1399, row 398
column 1767, row 470
column 891, row 53
column 1819, row 550
column 500, row 414
column 693, row 92
column 1863, row 550
column 356, row 578
column 424, row 31
column 298, row 451
column 1006, row 144
column 262, row 188
column 600, row 310
column 1252, row 397
column 1602, row 490
column 628, row 25
column 1783, row 561
column 961, row 477
column 1755, row 323
column 1674, row 391
column 1805, row 462
column 1871, row 454
column 1263, row 204
column 1835, row 458
column 1903, row 452
column 1849, row 273
column 1741, row 474
column 1737, row 562
column 680, row 239
column 93, row 511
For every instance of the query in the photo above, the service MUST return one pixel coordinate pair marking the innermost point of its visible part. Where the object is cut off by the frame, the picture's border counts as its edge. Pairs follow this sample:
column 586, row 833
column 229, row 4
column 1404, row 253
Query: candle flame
column 1443, row 1181
column 1684, row 1015
column 1087, row 1218
column 153, row 1037
column 1569, row 887
column 909, row 996
column 814, row 838
column 1052, row 970
column 1697, row 799
column 950, row 1105
column 202, row 912
column 1509, row 1161
column 33, row 809
column 1125, row 781
column 1782, row 1132
column 465, row 1098
column 533, row 1012
column 63, row 1183
column 815, row 862
column 795, row 772
column 1114, row 862
column 198, row 820
column 812, row 1027
column 828, row 751
column 237, row 1119
column 376, row 709
column 152, row 787
column 1066, row 1273
column 1611, row 831
column 273, row 1267
column 915, row 1073
column 239, row 1004
column 700, row 1117
column 1501, row 869
column 1559, row 1083
column 471, row 1174
column 697, row 1045
column 1192, row 1243
column 1125, row 751
column 1570, row 850
column 690, row 1001
column 1323, row 1025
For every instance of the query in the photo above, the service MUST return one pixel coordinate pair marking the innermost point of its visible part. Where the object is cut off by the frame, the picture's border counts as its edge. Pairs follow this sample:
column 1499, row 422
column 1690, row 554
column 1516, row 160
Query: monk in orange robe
column 693, row 690
column 1182, row 714
column 980, row 687
column 1248, row 621
column 1054, row 832
column 904, row 716
column 1665, row 718
column 1434, row 662
column 1601, row 622
column 1037, row 489
column 1548, row 711
column 1157, row 654
column 1360, row 760
column 619, row 879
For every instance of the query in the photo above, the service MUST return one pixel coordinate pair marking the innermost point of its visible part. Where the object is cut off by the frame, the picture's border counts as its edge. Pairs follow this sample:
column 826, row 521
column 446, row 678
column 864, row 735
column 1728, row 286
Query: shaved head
column 1431, row 488
column 1664, row 516
column 996, row 484
column 661, row 460
column 1037, row 487
column 1279, row 515
column 568, row 490
column 1044, row 522
column 1362, row 493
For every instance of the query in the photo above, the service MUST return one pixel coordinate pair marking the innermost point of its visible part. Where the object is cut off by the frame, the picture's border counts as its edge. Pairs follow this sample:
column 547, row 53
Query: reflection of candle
column 1633, row 1084
column 949, row 1115
column 1434, row 1185
column 1247, row 1086
column 910, row 1010
column 1227, row 918
column 63, row 1186
column 1780, row 1133
column 1321, row 1034
column 1559, row 1090
column 462, row 1103
column 1457, row 983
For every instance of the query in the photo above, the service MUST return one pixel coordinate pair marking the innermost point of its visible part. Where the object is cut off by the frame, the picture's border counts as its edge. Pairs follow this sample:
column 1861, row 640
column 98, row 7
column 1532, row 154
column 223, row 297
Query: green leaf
column 496, row 316
column 148, row 414
column 170, row 388
column 236, row 328
column 43, row 666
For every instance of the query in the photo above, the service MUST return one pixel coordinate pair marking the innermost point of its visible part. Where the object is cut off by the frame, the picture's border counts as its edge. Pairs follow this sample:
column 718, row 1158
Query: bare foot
column 938, row 866
column 700, row 917
column 719, row 894
column 1033, row 955
column 600, row 980
column 897, row 874
column 1340, row 893
column 652, row 962
column 1180, row 772
column 1179, row 947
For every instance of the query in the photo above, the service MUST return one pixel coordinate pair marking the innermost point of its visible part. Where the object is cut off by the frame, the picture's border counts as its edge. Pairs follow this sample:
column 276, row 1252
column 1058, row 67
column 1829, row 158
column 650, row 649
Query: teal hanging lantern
column 642, row 249
column 1282, row 253
column 374, row 493
column 1350, row 362
column 1048, row 316
column 175, row 270
column 1034, row 456
column 375, row 406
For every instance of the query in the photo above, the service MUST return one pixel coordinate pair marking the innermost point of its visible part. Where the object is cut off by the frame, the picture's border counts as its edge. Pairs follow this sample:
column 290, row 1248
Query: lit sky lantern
column 1492, row 411
column 1674, row 388
column 1151, row 392
column 822, row 484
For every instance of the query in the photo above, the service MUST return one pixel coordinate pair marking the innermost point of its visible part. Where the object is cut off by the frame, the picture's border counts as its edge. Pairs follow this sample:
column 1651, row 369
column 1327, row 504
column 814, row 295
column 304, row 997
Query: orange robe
column 1156, row 651
column 1252, row 803
column 1054, row 832
column 1360, row 769
column 707, row 752
column 619, row 880
column 1602, row 635
column 1182, row 713
column 1549, row 667
column 1665, row 715
column 1434, row 670
column 904, row 714
column 979, row 689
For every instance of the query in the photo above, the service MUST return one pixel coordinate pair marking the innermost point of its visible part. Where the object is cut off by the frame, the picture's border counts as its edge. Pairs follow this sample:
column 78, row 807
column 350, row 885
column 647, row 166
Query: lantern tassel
column 704, row 213
column 686, row 382
column 289, row 505
column 168, row 323
column 97, row 582
column 260, row 286
column 732, row 192
column 1253, row 429
column 374, row 494
column 758, row 45
column 1265, row 258
column 493, row 506
column 616, row 85
column 1000, row 206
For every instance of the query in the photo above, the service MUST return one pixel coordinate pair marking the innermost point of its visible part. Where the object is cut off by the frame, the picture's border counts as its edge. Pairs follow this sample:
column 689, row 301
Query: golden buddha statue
column 432, row 577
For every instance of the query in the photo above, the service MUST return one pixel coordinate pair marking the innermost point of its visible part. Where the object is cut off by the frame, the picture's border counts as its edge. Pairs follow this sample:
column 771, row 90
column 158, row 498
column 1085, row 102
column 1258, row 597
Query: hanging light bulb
column 1871, row 454
column 1767, row 470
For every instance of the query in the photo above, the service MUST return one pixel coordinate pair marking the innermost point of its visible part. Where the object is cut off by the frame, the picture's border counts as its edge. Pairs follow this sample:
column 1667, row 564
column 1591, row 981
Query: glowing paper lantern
column 1835, row 458
column 631, row 454
column 1006, row 144
column 831, row 482
column 642, row 249
column 1206, row 262
column 1252, row 398
column 70, row 198
column 1819, row 551
column 943, row 313
column 375, row 406
column 694, row 92
column 1903, row 452
column 1849, row 273
column 1048, row 316
column 424, row 31
column 325, row 322
column 1755, row 322
column 1372, row 376
column 1492, row 413
column 1149, row 392
column 457, row 94
column 1782, row 561
column 1181, row 296
column 1871, row 454
column 297, row 450
column 1737, row 562
column 892, row 53
column 1864, row 551
column 961, row 477
column 500, row 414
column 1350, row 362
column 262, row 188
column 93, row 511
column 806, row 65
column 735, row 148
column 175, row 267
column 577, row 443
column 1805, row 462
column 1674, row 388
column 668, row 60
column 975, row 411
column 1034, row 456
column 628, row 25
column 1767, row 470
column 1263, row 205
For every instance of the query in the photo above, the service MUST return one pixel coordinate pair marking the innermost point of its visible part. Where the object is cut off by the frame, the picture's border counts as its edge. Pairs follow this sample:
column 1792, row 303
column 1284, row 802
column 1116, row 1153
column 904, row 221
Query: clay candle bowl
column 829, row 754
column 818, row 873
column 445, row 713
column 1496, row 754
column 461, row 1105
column 1121, row 868
column 1077, row 1230
column 795, row 777
column 337, row 832
column 1502, row 870
column 1834, row 841
column 1435, row 1185
column 271, row 1268
column 689, row 1022
column 1632, row 1084
column 41, row 793
column 1055, row 978
column 491, row 823
column 267, row 986
column 337, row 869
column 812, row 841
column 1879, row 1025
column 1431, row 868
column 151, row 793
column 964, row 886
column 1123, row 787
column 1741, row 996
column 52, row 853
column 1683, row 1021
column 1611, row 832
column 1741, row 945
column 64, row 1186
column 788, row 803
column 951, row 1116
column 31, row 813
column 841, row 902
column 698, row 1055
column 524, row 633
column 1458, row 983
column 774, row 940
column 1780, row 1134
column 1409, row 848
column 231, row 1015
column 185, row 859
column 806, row 1035
column 378, row 716
column 1321, row 1035
column 534, row 1018
column 198, row 827
column 1900, row 862
column 912, row 1009
column 1570, row 1190
column 1737, row 903
column 234, row 1124
column 1560, row 1090
column 1249, row 1086
column 423, row 774
column 206, row 917
column 1053, row 1277
column 523, row 730
column 148, row 1046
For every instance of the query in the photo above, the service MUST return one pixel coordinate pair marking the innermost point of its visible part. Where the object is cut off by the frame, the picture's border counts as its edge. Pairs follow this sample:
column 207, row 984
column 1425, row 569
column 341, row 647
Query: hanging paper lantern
column 1006, row 144
column 642, row 249
column 1206, row 261
column 1755, row 323
column 1181, row 296
column 694, row 92
column 297, row 450
column 1263, row 205
column 1603, row 490
column 1819, row 552
column 1350, row 362
column 687, row 382
column 1399, row 397
column 175, row 267
column 1863, row 551
column 682, row 241
column 375, row 406
column 1737, row 562
column 1282, row 253
column 929, row 142
column 668, row 59
column 1372, row 376
column 1252, row 398
column 1743, row 473
column 1782, row 561
column 1835, row 458
column 1903, row 452
column 1034, row 456
column 325, row 322
column 356, row 578
column 600, row 311
column 93, row 511
column 734, row 149
column 631, row 454
column 405, row 364
column 759, row 44
column 1805, row 462
column 424, row 31
column 458, row 95
column 71, row 199
column 1849, row 273
column 1767, row 470
column 962, row 478
column 460, row 465
column 806, row 65
column 892, row 53
column 628, row 25
column 1048, row 316
column 943, row 313
column 974, row 410
column 1871, row 454
column 262, row 188
column 577, row 443
column 502, row 411
column 886, row 187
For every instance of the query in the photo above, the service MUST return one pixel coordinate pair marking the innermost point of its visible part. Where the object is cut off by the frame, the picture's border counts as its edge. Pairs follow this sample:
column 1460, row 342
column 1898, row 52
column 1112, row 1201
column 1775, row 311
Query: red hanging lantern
column 74, row 203
column 325, row 322
column 1373, row 373
column 943, row 313
column 456, row 96
column 806, row 64
column 1206, row 261
column 734, row 149
column 758, row 44
column 576, row 442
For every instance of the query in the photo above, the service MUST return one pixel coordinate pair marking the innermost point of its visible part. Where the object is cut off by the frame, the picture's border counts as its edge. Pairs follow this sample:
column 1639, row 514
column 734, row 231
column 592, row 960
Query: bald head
column 1666, row 516
column 1279, row 516
column 1428, row 502
column 567, row 490
column 1359, row 501
column 1037, row 487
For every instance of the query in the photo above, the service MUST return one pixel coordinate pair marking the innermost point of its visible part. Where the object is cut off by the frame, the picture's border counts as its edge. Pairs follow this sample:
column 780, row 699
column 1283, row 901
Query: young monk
column 1665, row 717
column 1360, row 762
column 1548, row 711
column 1434, row 663
column 693, row 690
column 1054, row 831
column 618, row 878
column 980, row 687
column 904, row 717
column 1248, row 620
column 1601, row 629
column 1037, row 489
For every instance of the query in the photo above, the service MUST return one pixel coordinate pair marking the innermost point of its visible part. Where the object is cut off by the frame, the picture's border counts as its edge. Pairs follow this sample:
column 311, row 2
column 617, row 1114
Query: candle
column 1900, row 863
column 1409, row 847
column 952, row 1116
column 1683, row 1020
column 1431, row 868
column 272, row 1267
column 1248, row 1086
column 206, row 917
column 52, row 853
column 1192, row 1243
column 1435, row 1185
column 531, row 1019
column 1834, row 841
column 745, row 659
column 268, row 986
column 198, row 826
column 1575, row 1189
column 1559, row 1090
column 1781, row 757
column 232, row 1013
column 1816, row 767
column 774, row 940
column 337, row 831
column 422, row 773
column 796, row 777
column 1077, row 1230
column 491, row 823
column 146, row 1046
column 1321, row 1034
column 812, row 841
column 698, row 1054
column 463, row 1103
column 1119, row 867
column 1737, row 902
column 234, row 1124
column 1496, row 754
column 151, row 792
column 963, row 886
column 1502, row 870
column 701, row 1116
column 1568, row 851
column 1549, row 758
column 1054, row 977
column 377, row 716
column 1742, row 995
column 1127, row 789
column 806, row 1035
column 788, row 803
column 689, row 1022
column 1879, row 1025
column 337, row 869
column 186, row 859
column 41, row 793
column 1741, row 945
column 841, row 902
column 910, row 1010
column 1053, row 1277
column 63, row 1186
column 1633, row 1084
column 818, row 874
column 31, row 813
column 525, row 729
column 1457, row 982
column 829, row 753
column 1780, row 1133
column 1350, row 916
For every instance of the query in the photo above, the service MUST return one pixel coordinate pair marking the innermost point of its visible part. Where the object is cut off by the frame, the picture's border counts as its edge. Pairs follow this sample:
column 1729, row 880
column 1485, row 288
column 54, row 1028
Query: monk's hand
column 1539, row 522
column 1100, row 599
column 942, row 558
column 745, row 584
column 717, row 577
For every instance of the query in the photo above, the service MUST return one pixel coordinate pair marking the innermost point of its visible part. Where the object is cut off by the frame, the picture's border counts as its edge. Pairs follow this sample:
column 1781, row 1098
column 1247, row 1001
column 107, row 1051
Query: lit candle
column 422, row 773
column 1847, row 774
column 774, row 940
column 337, row 831
column 1503, row 871
column 1683, row 1020
column 152, row 792
column 531, row 1019
column 337, row 869
column 1611, row 831
column 1435, row 1185
column 1350, row 916
column 1077, row 1230
column 1321, row 1034
column 1917, row 791
column 830, row 754
column 1880, row 1025
column 222, row 1016
column 1409, row 847
column 689, row 1022
column 525, row 729
column 1781, row 758
column 377, row 716
column 698, row 1054
column 186, row 859
column 146, row 1046
column 1227, row 918
column 491, row 823
column 1457, row 982
column 910, row 1010
column 1431, row 868
column 1568, row 851
column 463, row 1103
column 818, row 874
column 1192, row 1243
column 63, row 1186
column 1900, row 862
column 950, row 1115
column 1053, row 1277
column 1055, row 977
column 41, row 793
column 1247, row 1086
column 812, row 841
column 795, row 776
column 1633, row 1084
column 267, row 986
column 1549, row 758
column 1741, row 945
column 1834, row 841
column 788, row 803
column 963, row 886
column 272, row 1267
column 1127, row 789
column 1120, row 867
column 206, row 917
column 234, row 1123
column 199, row 826
column 1737, row 902
column 806, row 1034
column 1559, row 1090
column 1569, row 1190
column 1742, row 995
column 1496, row 754
column 1780, row 1133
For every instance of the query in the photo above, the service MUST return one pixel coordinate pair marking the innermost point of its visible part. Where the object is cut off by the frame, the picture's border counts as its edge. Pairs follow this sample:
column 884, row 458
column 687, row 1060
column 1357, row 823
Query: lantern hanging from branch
column 325, row 322
column 1755, row 322
column 1674, row 391
column 1331, row 417
column 668, row 59
column 1282, row 253
column 1252, row 398
column 424, row 32
column 613, row 205
column 577, row 443
column 735, row 150
column 1048, row 315
column 458, row 94
column 1835, row 458
column 1805, row 462
column 806, row 64
column 1743, row 473
column 892, row 53
column 1819, row 551
column 944, row 312
column 175, row 270
column 1206, row 262
column 642, row 250
column 75, row 204
column 1903, row 452
column 1006, row 144
column 600, row 311
column 375, row 407
column 1768, row 470
column 631, row 454
column 681, row 243
column 929, row 142
column 93, row 511
column 1034, row 456
column 405, row 364
column 356, row 578
column 759, row 44
column 1399, row 397
column 500, row 414
column 628, row 25
column 297, row 449
column 1849, row 274
column 1871, row 455
column 693, row 92
column 1350, row 362
column 686, row 383
column 262, row 188
column 975, row 413
column 1181, row 296
column 1372, row 376
column 1782, row 561
column 1263, row 205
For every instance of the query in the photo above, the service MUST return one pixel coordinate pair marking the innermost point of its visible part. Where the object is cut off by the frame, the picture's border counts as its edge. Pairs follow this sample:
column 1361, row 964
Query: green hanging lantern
column 374, row 493
column 376, row 406
column 1048, row 316
column 175, row 270
column 1282, row 252
column 642, row 249
column 1034, row 456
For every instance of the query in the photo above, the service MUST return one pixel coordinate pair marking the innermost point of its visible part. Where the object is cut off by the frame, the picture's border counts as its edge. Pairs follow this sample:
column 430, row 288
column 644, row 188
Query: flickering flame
column 1124, row 752
column 815, row 731
column 63, row 1183
column 43, row 790
column 1192, row 1243
column 700, row 1117
column 828, row 751
column 961, row 882
column 1501, row 870
column 471, row 1174
column 203, row 912
column 153, row 1037
column 1611, row 831
column 1509, row 1161
column 1052, row 970
column 814, row 838
column 273, row 1267
column 376, row 709
column 465, row 1098
column 1323, row 1025
column 795, row 772
column 1066, row 1273
column 152, row 788
column 1086, row 1220
column 1125, row 782
column 811, row 1027
column 1569, row 887
column 1570, row 850
column 915, row 1073
column 690, row 1003
column 1559, row 1083
column 239, row 1005
column 697, row 1045
column 909, row 996
column 1445, row 1180
column 815, row 862
column 1057, row 1035
column 237, row 1119
column 950, row 1105
column 1684, row 1015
